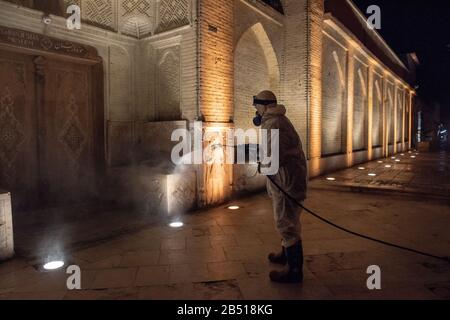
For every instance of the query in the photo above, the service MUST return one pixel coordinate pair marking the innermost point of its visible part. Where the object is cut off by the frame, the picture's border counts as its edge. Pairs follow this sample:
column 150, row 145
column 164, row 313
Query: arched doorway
column 255, row 69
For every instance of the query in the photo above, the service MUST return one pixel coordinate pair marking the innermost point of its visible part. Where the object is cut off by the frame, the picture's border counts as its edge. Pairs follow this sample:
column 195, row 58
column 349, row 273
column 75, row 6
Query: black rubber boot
column 294, row 274
column 279, row 258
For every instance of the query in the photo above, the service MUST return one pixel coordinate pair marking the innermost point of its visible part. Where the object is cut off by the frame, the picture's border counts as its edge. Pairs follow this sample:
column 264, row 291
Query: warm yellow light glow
column 372, row 174
column 54, row 265
column 217, row 175
column 234, row 207
column 398, row 160
column 413, row 157
column 176, row 224
column 331, row 179
column 388, row 166
column 361, row 168
column 380, row 161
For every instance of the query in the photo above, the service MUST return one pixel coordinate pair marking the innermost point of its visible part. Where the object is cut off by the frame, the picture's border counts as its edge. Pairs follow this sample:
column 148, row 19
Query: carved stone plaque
column 34, row 41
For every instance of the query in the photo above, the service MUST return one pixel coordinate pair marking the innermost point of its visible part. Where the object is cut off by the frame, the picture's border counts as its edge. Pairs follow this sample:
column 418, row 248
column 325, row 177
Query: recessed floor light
column 398, row 160
column 234, row 207
column 413, row 157
column 402, row 154
column 361, row 168
column 53, row 265
column 388, row 166
column 331, row 179
column 176, row 224
column 380, row 161
column 372, row 174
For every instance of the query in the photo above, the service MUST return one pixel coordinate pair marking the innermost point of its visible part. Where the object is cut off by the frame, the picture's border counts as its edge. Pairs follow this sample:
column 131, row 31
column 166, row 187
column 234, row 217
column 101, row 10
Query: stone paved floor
column 416, row 173
column 221, row 254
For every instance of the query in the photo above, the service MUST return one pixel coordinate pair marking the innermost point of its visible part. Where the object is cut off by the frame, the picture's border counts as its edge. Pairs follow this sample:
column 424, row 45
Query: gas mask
column 257, row 120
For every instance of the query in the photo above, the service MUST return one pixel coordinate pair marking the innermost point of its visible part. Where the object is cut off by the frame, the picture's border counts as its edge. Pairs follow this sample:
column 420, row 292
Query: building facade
column 89, row 113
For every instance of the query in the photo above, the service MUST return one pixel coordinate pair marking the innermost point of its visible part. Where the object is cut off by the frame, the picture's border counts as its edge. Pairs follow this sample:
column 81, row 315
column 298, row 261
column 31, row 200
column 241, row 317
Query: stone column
column 411, row 117
column 350, row 104
column 395, row 117
column 315, row 28
column 370, row 94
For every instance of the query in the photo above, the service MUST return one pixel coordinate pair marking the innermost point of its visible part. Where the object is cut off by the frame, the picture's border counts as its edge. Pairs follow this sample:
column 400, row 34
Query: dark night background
column 421, row 26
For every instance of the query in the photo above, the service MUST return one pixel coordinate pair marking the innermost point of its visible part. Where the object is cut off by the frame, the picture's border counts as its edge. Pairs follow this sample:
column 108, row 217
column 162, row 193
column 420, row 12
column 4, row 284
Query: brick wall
column 360, row 106
column 315, row 12
column 334, row 94
column 216, row 35
column 251, row 77
column 377, row 110
column 294, row 74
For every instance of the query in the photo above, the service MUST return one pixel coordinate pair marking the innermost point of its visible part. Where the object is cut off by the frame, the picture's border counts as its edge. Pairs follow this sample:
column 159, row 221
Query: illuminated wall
column 334, row 94
column 256, row 69
column 216, row 94
column 365, row 107
column 377, row 110
column 216, row 59
column 360, row 105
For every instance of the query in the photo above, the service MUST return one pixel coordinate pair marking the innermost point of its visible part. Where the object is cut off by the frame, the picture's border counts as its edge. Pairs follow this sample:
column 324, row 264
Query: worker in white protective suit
column 292, row 176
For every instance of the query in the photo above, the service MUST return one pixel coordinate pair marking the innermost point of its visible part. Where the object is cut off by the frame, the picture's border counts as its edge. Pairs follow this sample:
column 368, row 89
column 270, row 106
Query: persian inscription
column 35, row 41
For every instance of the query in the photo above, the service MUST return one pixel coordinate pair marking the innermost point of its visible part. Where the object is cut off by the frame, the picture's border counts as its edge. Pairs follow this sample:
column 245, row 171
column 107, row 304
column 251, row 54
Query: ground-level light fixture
column 234, row 208
column 361, row 168
column 393, row 158
column 380, row 161
column 372, row 174
column 176, row 224
column 53, row 265
column 413, row 157
column 388, row 166
column 331, row 179
column 398, row 160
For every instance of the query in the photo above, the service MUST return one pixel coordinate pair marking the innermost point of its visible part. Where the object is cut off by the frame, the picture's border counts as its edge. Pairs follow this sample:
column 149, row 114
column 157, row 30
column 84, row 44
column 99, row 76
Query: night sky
column 421, row 26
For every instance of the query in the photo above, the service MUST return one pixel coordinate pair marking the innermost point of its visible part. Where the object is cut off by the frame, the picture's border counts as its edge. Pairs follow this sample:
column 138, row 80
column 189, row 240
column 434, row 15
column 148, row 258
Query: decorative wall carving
column 137, row 17
column 72, row 136
column 173, row 14
column 100, row 12
column 25, row 39
column 120, row 83
column 168, row 88
column 131, row 7
column 12, row 134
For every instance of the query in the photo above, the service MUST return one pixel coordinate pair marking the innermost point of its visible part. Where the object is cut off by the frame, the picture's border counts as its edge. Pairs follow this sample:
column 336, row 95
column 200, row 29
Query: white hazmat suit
column 292, row 176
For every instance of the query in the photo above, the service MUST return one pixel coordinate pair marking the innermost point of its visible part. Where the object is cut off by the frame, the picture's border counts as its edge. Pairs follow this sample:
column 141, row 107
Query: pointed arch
column 256, row 69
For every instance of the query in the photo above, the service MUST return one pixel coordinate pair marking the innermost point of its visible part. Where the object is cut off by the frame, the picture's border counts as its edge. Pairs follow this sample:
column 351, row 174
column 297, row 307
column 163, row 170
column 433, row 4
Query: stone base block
column 6, row 227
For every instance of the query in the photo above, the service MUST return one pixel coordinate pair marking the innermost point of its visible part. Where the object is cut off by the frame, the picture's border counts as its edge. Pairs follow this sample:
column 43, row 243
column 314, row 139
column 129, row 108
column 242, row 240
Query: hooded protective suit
column 292, row 175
